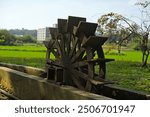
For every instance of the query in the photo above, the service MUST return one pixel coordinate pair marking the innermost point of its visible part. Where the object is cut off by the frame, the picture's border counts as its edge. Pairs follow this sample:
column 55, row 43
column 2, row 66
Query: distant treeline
column 8, row 38
column 24, row 32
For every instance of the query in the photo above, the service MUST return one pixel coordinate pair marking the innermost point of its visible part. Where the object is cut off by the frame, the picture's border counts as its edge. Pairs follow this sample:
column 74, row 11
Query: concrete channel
column 29, row 83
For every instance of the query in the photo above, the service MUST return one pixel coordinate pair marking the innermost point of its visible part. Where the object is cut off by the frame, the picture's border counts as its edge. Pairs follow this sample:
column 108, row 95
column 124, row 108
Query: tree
column 28, row 39
column 23, row 32
column 144, row 30
column 112, row 25
column 6, row 38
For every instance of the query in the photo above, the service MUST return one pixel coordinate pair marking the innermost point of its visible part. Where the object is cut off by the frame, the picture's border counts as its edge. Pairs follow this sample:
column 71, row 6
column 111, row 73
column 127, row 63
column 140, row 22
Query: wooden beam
column 73, row 21
column 86, row 28
column 62, row 25
column 94, row 41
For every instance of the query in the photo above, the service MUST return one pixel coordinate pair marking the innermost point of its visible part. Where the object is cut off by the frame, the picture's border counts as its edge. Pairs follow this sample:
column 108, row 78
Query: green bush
column 136, row 46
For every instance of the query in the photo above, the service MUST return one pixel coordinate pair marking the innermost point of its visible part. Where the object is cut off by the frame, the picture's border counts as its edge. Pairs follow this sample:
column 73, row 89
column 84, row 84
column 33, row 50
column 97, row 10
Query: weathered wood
column 102, row 65
column 76, row 79
column 74, row 46
column 62, row 25
column 78, row 55
column 91, row 69
column 99, row 60
column 79, row 64
column 68, row 44
column 53, row 32
column 55, row 53
column 50, row 73
column 94, row 41
column 86, row 28
column 49, row 44
column 74, row 21
column 51, row 63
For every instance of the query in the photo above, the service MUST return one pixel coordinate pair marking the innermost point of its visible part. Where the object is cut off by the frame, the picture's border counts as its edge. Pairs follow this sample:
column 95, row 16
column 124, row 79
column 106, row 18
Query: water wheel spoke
column 73, row 47
column 77, row 82
column 81, row 74
column 79, row 64
column 53, row 32
column 62, row 45
column 68, row 45
column 58, row 47
column 55, row 53
column 49, row 44
column 78, row 55
column 88, row 84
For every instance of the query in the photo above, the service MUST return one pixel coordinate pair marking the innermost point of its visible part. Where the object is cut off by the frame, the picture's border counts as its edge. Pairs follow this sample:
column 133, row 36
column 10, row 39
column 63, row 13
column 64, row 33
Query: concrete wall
column 30, row 87
column 26, row 69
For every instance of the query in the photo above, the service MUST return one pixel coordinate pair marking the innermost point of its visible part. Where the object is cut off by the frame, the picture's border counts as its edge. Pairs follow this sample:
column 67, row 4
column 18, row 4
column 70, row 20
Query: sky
column 34, row 14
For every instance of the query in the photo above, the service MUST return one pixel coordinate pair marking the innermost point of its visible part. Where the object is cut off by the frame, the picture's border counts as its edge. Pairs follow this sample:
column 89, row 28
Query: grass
column 30, row 55
column 35, row 62
column 129, row 75
column 31, row 48
column 22, row 54
column 132, row 56
column 125, row 70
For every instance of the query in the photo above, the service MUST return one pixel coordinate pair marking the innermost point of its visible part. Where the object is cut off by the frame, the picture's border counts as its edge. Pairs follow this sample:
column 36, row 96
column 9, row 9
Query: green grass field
column 30, row 55
column 125, row 70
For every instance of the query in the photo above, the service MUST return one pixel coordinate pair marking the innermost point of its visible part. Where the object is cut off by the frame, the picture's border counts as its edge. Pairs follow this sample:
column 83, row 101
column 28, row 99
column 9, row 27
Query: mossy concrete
column 25, row 69
column 31, row 87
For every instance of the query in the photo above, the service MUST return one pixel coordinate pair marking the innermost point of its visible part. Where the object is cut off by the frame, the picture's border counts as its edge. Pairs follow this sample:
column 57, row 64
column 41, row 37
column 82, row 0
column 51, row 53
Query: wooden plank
column 54, row 64
column 94, row 41
column 89, row 82
column 68, row 44
column 73, row 21
column 62, row 45
column 88, row 86
column 62, row 25
column 91, row 70
column 58, row 74
column 97, row 82
column 50, row 73
column 47, row 55
column 99, row 60
column 77, row 81
column 81, row 74
column 49, row 44
column 78, row 55
column 90, row 56
column 73, row 49
column 58, row 47
column 53, row 32
column 55, row 53
column 86, row 28
column 79, row 64
column 102, row 65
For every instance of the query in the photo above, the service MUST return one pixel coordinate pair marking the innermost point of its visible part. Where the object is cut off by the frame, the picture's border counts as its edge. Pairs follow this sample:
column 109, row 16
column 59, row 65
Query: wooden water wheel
column 74, row 54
